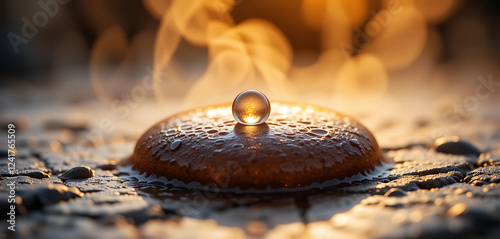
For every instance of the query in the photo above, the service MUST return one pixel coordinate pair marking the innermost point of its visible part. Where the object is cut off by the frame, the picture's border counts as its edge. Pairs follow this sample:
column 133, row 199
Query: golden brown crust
column 298, row 145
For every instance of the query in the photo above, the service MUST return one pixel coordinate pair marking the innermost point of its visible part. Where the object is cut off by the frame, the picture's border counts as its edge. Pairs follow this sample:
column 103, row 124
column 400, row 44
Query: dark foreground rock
column 425, row 194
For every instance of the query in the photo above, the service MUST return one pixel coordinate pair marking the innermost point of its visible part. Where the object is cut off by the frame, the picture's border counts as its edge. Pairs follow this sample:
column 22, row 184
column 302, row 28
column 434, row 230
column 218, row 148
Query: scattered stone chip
column 80, row 172
column 37, row 196
column 455, row 145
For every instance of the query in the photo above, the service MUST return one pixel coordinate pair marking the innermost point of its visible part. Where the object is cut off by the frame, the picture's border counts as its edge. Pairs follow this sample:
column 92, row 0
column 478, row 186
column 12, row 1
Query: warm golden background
column 166, row 56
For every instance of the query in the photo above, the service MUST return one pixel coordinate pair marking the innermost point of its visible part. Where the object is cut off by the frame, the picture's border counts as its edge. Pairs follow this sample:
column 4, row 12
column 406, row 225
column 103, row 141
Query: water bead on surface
column 175, row 145
column 251, row 107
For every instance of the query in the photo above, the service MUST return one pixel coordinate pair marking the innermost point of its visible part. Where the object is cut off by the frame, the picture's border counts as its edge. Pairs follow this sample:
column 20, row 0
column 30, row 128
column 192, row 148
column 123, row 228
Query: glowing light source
column 251, row 107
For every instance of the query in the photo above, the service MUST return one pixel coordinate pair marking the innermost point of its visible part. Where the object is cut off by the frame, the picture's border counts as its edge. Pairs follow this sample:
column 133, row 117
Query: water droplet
column 354, row 142
column 176, row 144
column 251, row 107
column 219, row 142
column 212, row 136
column 186, row 127
column 229, row 123
column 319, row 132
column 171, row 132
column 238, row 146
column 212, row 131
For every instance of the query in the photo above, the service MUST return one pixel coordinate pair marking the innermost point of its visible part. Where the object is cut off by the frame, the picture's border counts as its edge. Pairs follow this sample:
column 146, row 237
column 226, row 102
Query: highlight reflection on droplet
column 251, row 107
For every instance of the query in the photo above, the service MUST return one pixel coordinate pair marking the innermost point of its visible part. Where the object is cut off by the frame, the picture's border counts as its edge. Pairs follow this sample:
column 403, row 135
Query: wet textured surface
column 426, row 194
column 299, row 146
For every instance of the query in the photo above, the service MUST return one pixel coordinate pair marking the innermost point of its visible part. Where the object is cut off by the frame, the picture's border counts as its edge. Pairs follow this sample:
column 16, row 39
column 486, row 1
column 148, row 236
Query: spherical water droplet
column 251, row 108
column 176, row 144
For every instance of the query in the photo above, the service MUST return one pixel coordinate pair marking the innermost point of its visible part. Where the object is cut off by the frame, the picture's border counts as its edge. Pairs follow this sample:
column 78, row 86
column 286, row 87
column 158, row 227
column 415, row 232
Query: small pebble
column 395, row 192
column 107, row 167
column 454, row 145
column 39, row 195
column 79, row 172
column 37, row 174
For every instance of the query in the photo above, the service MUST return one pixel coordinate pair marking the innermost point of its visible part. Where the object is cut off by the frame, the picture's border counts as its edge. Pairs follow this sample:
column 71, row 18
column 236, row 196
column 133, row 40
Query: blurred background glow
column 180, row 54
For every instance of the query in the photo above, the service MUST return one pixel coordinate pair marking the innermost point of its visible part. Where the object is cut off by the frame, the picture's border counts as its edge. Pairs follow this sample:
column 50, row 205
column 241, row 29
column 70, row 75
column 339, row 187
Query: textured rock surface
column 489, row 158
column 485, row 175
column 297, row 146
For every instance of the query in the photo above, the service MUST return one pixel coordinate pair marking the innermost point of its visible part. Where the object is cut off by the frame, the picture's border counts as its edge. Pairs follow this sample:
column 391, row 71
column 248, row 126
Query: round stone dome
column 300, row 146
